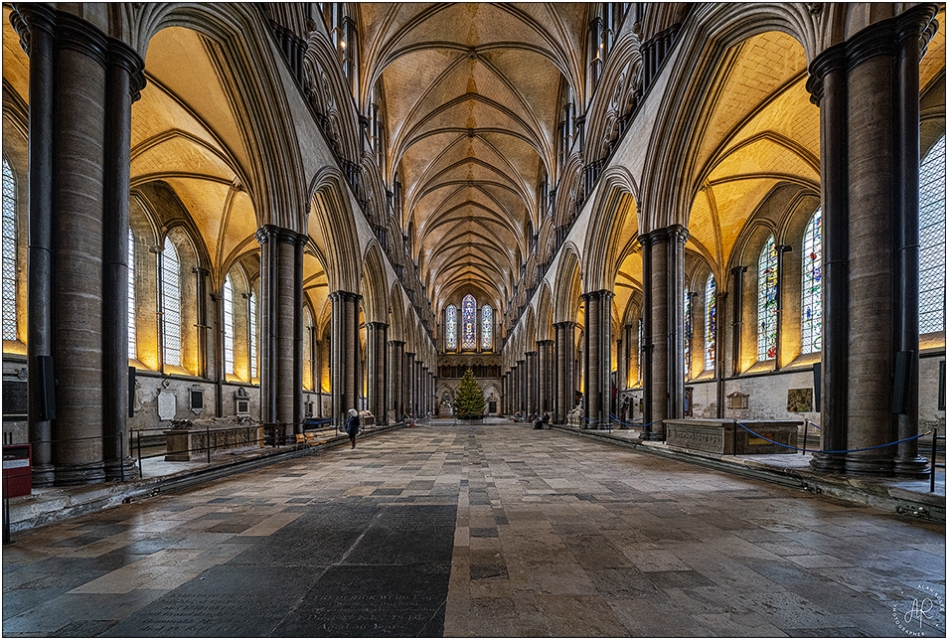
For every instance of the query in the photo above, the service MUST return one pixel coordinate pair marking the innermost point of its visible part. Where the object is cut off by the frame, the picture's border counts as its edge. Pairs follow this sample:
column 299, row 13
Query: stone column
column 566, row 354
column 124, row 81
column 78, row 198
column 280, row 332
column 408, row 378
column 883, row 179
column 504, row 397
column 35, row 23
column 664, row 251
column 300, row 360
column 530, row 383
column 828, row 86
column 344, row 347
column 522, row 386
column 596, row 353
column 376, row 340
column 649, row 433
column 545, row 350
column 396, row 404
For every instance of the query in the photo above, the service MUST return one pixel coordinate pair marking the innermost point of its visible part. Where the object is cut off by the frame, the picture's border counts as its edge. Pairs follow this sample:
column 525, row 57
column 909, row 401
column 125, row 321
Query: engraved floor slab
column 488, row 530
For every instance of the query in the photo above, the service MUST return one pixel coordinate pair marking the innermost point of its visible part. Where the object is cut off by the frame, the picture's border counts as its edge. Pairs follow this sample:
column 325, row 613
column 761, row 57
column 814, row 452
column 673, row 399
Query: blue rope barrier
column 643, row 425
column 861, row 449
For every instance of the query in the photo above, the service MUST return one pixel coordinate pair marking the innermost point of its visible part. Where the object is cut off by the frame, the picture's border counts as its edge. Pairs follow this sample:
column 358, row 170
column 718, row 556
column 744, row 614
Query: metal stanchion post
column 207, row 441
column 804, row 449
column 140, row 473
column 932, row 463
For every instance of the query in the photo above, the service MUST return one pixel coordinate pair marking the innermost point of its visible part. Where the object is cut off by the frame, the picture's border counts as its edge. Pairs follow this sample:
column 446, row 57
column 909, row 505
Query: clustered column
column 597, row 344
column 867, row 89
column 566, row 354
column 545, row 375
column 663, row 328
column 281, row 337
column 344, row 357
column 395, row 367
column 80, row 80
column 376, row 357
column 530, row 360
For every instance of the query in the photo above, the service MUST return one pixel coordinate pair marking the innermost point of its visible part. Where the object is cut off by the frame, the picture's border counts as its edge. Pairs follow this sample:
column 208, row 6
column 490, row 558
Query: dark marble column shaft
column 395, row 379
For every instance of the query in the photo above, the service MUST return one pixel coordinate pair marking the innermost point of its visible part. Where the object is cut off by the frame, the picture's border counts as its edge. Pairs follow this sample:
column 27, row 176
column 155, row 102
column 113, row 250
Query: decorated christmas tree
column 470, row 401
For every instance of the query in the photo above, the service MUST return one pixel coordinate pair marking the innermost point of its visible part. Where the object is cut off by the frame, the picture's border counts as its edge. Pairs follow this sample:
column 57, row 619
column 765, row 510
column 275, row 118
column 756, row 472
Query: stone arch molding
column 334, row 224
column 277, row 186
column 603, row 246
column 667, row 188
column 374, row 294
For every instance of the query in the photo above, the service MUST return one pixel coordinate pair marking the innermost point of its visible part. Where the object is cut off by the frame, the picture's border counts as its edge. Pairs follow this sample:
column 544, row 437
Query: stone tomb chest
column 723, row 436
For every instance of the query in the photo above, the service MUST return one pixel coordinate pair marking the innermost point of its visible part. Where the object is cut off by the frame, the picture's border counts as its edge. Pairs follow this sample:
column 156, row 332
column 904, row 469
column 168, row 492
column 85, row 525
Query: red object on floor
column 17, row 470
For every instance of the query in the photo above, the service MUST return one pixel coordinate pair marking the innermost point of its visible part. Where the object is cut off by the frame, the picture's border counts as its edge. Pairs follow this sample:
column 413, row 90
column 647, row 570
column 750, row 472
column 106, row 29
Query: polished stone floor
column 494, row 530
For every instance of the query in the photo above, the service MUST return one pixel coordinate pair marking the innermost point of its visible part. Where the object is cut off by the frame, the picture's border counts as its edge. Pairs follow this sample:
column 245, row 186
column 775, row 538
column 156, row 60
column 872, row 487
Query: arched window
column 468, row 306
column 9, row 253
column 228, row 325
column 169, row 285
column 487, row 327
column 710, row 309
column 252, row 333
column 932, row 240
column 688, row 334
column 307, row 349
column 811, row 309
column 451, row 329
column 768, row 301
column 133, row 351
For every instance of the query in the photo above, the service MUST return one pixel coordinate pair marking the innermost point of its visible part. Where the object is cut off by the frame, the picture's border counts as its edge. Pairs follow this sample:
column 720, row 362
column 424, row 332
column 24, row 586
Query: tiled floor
column 494, row 530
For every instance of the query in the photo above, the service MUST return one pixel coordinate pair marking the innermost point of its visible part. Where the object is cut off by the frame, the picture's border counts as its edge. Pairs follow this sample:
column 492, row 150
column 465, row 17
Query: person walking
column 352, row 426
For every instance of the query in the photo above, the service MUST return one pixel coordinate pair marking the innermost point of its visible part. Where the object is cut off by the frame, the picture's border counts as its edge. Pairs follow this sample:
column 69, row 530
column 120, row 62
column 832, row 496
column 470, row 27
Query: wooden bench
column 309, row 439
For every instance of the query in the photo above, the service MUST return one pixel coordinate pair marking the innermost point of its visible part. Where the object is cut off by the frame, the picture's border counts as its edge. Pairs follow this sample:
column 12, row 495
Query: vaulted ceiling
column 470, row 94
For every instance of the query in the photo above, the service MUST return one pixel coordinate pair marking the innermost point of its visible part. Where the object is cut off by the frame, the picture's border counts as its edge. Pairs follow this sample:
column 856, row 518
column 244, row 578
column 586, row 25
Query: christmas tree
column 470, row 401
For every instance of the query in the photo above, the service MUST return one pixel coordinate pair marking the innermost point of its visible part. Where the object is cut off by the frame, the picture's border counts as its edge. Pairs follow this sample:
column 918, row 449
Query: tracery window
column 688, row 334
column 811, row 307
column 487, row 327
column 9, row 253
column 932, row 240
column 468, row 330
column 169, row 285
column 252, row 333
column 451, row 329
column 710, row 320
column 228, row 325
column 133, row 351
column 768, row 301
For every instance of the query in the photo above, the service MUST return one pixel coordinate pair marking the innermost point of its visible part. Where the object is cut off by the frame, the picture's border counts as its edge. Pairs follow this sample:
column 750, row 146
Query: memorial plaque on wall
column 167, row 405
column 15, row 399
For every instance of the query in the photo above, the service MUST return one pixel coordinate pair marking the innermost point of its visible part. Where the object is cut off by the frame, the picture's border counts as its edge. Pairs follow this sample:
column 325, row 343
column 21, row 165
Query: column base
column 876, row 465
column 827, row 463
column 652, row 436
column 44, row 475
column 915, row 467
column 79, row 474
column 126, row 469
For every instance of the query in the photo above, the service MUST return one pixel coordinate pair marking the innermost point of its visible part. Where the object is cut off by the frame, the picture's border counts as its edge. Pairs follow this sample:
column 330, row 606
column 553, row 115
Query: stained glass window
column 811, row 309
column 228, row 325
column 170, row 287
column 768, row 301
column 932, row 240
column 688, row 335
column 9, row 253
column 252, row 333
column 451, row 329
column 487, row 327
column 133, row 352
column 710, row 312
column 468, row 333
